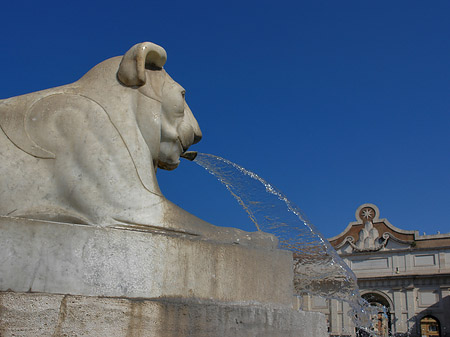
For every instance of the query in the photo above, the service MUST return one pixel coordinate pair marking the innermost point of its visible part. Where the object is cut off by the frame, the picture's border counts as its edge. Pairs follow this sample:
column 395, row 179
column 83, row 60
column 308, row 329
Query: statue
column 88, row 243
column 87, row 152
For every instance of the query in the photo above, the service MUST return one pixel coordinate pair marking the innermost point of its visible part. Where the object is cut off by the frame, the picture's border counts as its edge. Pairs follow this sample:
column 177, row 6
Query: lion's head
column 97, row 141
column 141, row 67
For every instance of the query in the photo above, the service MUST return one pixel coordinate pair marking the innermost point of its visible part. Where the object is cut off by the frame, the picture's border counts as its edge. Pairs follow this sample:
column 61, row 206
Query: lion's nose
column 197, row 136
column 190, row 119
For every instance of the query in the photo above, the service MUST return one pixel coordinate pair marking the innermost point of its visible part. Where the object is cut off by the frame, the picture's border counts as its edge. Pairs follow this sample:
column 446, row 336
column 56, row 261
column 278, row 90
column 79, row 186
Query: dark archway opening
column 381, row 322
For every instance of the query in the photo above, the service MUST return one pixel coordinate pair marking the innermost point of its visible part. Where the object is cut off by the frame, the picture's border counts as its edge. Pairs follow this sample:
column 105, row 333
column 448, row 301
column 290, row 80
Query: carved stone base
column 28, row 314
column 72, row 280
column 49, row 257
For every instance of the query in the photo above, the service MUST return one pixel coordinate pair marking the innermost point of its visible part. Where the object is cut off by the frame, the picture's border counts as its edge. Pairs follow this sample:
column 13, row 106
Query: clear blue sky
column 336, row 103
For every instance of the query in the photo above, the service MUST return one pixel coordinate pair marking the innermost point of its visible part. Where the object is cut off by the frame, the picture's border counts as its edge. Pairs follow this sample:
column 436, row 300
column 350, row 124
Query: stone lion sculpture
column 87, row 152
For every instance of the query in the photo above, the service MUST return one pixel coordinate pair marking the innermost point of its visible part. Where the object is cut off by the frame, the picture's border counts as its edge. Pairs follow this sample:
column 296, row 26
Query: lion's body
column 87, row 152
column 65, row 155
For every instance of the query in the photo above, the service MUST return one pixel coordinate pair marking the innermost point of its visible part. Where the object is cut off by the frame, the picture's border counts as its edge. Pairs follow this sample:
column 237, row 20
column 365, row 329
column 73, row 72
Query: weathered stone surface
column 60, row 258
column 73, row 280
column 87, row 152
column 25, row 314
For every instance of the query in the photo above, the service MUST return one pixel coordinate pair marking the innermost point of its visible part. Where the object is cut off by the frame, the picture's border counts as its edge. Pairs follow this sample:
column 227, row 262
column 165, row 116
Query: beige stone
column 71, row 280
column 61, row 258
column 26, row 315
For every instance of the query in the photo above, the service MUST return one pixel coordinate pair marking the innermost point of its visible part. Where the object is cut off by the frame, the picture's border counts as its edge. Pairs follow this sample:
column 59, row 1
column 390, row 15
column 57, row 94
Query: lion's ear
column 142, row 55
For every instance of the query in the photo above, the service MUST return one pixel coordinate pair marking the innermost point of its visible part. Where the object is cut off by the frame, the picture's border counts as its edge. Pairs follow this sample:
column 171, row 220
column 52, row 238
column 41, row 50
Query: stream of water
column 318, row 269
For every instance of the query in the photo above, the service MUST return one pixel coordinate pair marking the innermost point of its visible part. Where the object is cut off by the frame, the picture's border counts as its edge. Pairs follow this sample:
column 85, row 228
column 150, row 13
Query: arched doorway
column 381, row 322
column 430, row 327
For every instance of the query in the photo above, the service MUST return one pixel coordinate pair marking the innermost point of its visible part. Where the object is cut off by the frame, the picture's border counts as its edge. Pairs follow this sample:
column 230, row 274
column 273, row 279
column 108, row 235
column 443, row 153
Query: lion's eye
column 183, row 94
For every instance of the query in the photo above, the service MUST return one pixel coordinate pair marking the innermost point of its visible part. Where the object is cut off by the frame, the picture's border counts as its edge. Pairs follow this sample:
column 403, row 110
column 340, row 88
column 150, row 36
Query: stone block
column 49, row 257
column 27, row 314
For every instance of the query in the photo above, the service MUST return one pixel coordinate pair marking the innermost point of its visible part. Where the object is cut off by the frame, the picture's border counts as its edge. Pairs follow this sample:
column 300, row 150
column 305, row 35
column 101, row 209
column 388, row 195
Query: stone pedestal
column 24, row 314
column 72, row 280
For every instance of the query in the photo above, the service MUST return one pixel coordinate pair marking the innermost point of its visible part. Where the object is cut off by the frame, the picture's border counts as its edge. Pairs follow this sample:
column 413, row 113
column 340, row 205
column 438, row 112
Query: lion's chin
column 168, row 166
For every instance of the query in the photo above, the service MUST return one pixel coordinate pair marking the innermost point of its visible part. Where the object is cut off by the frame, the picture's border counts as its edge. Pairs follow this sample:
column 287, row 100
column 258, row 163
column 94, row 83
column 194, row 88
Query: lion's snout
column 197, row 136
column 188, row 134
column 192, row 122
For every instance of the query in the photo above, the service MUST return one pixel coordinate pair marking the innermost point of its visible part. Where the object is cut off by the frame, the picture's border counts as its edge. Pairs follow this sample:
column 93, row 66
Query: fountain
column 89, row 246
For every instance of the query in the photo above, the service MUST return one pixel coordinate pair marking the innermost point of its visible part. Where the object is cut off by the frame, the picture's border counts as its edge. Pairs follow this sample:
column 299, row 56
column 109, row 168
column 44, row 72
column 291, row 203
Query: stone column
column 411, row 303
column 348, row 326
column 399, row 321
column 334, row 324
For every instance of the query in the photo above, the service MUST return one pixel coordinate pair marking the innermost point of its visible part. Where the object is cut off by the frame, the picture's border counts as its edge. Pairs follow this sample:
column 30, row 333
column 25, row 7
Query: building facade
column 405, row 274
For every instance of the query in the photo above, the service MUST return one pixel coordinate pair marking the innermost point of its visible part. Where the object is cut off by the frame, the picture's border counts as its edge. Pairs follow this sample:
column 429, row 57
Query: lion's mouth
column 184, row 147
column 189, row 155
column 182, row 150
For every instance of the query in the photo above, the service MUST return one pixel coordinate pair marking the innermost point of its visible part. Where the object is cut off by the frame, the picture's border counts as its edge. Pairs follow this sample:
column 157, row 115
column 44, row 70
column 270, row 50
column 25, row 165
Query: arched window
column 429, row 326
